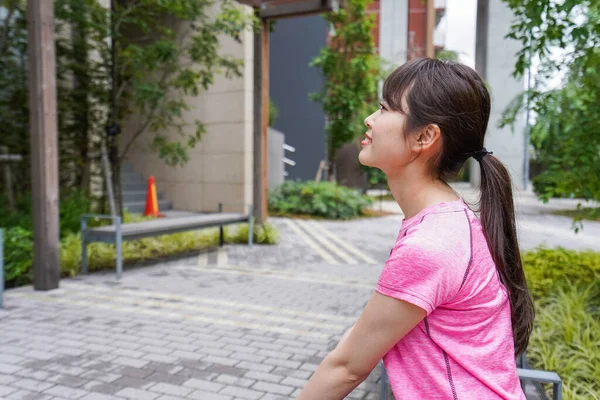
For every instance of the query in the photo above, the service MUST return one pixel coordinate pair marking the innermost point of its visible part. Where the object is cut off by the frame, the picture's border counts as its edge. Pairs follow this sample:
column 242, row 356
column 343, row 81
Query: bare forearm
column 331, row 381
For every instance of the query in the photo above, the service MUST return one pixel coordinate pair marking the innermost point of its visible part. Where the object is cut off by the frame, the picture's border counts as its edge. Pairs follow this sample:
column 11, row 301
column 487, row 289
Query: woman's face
column 386, row 145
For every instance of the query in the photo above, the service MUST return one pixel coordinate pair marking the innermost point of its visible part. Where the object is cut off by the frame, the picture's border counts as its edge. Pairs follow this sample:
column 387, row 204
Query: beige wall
column 220, row 166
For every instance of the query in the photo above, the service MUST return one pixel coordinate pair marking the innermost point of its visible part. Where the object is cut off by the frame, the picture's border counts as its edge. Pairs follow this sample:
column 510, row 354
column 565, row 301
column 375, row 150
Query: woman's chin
column 364, row 159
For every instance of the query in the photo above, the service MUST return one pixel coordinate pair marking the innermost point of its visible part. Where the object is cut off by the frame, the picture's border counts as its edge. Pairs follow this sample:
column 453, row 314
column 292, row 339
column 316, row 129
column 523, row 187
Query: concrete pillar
column 393, row 31
column 508, row 144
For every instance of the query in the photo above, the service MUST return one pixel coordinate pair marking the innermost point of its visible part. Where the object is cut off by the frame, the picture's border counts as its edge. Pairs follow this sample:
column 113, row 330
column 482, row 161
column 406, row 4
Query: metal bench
column 525, row 375
column 118, row 232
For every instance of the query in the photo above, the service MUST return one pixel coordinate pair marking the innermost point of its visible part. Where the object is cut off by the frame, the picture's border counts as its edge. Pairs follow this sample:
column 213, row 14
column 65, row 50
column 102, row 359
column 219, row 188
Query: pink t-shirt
column 464, row 348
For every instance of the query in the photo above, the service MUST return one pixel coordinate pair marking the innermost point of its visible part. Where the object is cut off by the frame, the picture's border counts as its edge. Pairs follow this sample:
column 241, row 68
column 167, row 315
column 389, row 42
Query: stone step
column 132, row 177
column 131, row 196
column 140, row 206
column 134, row 187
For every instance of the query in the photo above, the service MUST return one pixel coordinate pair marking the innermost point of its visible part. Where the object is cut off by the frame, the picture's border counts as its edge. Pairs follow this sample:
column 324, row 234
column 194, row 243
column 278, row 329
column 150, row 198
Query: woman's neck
column 416, row 193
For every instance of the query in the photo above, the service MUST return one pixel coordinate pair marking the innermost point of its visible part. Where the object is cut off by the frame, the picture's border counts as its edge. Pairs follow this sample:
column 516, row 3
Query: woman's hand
column 383, row 323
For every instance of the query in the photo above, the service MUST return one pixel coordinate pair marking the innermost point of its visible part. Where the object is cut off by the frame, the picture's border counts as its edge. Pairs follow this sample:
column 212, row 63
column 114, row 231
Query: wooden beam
column 259, row 143
column 44, row 143
column 289, row 9
column 264, row 117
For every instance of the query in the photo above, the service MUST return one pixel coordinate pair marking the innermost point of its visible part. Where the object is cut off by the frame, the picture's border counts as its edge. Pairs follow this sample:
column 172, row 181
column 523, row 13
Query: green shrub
column 263, row 234
column 18, row 246
column 18, row 256
column 549, row 269
column 72, row 205
column 324, row 199
column 566, row 337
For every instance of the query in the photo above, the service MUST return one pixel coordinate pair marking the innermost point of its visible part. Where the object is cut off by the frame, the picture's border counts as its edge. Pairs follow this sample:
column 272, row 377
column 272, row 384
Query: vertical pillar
column 508, row 144
column 44, row 144
column 261, row 121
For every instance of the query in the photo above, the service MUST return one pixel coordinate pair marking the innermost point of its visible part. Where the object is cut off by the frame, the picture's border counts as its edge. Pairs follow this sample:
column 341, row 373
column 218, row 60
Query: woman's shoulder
column 440, row 227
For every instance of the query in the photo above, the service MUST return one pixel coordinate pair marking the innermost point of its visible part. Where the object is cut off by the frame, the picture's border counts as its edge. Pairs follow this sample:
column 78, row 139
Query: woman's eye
column 382, row 107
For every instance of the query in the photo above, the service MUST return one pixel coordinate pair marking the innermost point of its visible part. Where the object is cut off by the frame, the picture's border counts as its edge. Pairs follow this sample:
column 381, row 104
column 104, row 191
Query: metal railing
column 287, row 161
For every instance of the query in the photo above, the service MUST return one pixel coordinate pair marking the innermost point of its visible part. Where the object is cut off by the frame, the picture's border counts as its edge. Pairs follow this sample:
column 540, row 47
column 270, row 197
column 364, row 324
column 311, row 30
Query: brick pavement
column 231, row 323
column 237, row 323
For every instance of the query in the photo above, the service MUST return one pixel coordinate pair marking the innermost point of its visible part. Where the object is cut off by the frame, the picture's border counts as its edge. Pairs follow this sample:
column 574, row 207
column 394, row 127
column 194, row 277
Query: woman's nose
column 369, row 121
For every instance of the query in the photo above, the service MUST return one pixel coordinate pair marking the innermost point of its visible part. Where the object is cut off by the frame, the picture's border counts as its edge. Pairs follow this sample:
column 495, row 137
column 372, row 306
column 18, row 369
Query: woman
column 451, row 308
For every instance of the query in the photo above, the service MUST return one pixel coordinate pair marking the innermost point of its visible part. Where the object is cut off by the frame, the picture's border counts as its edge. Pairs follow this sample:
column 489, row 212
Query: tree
column 565, row 135
column 140, row 59
column 351, row 69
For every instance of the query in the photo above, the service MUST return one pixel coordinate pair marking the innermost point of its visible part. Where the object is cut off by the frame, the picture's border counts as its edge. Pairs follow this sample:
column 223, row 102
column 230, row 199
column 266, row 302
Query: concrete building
column 220, row 168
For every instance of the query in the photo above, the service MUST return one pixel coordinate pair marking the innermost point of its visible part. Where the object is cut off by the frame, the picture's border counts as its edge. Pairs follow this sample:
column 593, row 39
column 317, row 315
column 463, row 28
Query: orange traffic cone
column 151, row 200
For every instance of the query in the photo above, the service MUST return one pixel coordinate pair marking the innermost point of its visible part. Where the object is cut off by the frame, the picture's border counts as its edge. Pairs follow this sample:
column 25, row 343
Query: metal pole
column 109, row 183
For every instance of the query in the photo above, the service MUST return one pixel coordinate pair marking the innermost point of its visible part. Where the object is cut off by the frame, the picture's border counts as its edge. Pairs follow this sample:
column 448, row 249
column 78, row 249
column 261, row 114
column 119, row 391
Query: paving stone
column 201, row 395
column 242, row 392
column 6, row 390
column 7, row 379
column 234, row 380
column 32, row 385
column 27, row 395
column 204, row 385
column 273, row 388
column 65, row 391
column 99, row 396
column 255, row 367
column 8, row 368
column 290, row 381
column 137, row 394
column 67, row 380
column 130, row 362
column 106, row 377
column 173, row 390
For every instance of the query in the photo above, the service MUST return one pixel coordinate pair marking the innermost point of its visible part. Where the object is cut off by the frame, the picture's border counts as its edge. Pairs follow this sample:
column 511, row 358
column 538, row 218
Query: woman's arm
column 383, row 323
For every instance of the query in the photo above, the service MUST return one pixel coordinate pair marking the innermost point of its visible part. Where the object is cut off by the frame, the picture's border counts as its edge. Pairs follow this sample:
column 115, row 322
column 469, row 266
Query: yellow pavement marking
column 345, row 245
column 203, row 259
column 326, row 256
column 222, row 258
column 206, row 300
column 153, row 303
column 174, row 315
column 332, row 280
column 321, row 239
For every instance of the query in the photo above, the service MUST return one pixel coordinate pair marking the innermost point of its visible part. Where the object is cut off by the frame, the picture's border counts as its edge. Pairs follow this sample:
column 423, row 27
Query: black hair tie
column 478, row 155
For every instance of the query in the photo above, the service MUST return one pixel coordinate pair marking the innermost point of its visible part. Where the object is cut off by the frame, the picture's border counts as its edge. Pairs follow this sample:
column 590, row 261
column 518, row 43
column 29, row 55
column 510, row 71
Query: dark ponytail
column 454, row 97
column 498, row 221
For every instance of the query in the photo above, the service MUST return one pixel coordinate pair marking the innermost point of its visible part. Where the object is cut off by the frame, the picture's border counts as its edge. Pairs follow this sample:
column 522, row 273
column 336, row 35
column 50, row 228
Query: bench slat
column 163, row 226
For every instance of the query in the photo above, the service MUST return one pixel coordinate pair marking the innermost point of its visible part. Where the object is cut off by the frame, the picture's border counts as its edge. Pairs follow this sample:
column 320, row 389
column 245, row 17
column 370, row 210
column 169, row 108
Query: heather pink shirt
column 464, row 348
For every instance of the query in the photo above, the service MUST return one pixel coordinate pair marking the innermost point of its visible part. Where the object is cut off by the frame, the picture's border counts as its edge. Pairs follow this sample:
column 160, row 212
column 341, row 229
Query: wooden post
column 265, row 118
column 257, row 129
column 44, row 143
column 261, row 121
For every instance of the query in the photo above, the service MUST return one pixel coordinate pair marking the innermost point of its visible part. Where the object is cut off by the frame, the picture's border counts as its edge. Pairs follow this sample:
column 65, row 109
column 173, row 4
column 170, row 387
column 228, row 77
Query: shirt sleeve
column 424, row 274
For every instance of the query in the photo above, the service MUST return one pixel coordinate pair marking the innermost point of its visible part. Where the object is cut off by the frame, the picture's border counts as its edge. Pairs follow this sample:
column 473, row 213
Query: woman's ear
column 428, row 137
